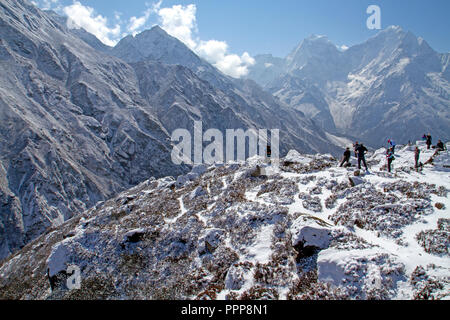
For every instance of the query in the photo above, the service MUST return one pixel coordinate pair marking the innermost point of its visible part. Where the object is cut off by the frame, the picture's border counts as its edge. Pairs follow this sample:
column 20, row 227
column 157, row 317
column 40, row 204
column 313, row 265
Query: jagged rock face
column 179, row 97
column 228, row 233
column 392, row 86
column 73, row 130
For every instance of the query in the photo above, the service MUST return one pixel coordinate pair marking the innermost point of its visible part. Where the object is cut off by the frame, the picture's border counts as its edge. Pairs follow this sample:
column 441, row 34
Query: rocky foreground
column 305, row 229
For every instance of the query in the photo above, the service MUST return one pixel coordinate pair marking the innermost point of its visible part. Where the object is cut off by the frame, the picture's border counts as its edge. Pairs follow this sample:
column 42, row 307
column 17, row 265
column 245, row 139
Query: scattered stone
column 439, row 206
column 356, row 181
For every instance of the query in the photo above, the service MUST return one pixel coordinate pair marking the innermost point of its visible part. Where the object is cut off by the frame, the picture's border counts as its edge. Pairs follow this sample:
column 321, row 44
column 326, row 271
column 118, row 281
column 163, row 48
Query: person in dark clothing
column 346, row 160
column 440, row 146
column 269, row 152
column 355, row 146
column 390, row 157
column 417, row 158
column 429, row 141
column 360, row 152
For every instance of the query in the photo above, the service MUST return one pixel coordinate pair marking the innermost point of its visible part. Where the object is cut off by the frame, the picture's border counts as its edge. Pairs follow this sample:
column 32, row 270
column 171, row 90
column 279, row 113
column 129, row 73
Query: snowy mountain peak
column 314, row 47
column 394, row 28
column 157, row 45
column 154, row 32
column 158, row 29
column 394, row 38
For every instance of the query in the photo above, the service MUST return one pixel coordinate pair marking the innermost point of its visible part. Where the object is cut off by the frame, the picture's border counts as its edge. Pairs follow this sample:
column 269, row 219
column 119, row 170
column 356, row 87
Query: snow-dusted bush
column 436, row 241
column 278, row 191
column 311, row 203
column 428, row 286
column 386, row 213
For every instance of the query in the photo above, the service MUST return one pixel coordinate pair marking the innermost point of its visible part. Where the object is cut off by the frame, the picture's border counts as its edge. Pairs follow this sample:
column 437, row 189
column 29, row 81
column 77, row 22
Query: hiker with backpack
column 392, row 143
column 360, row 152
column 355, row 146
column 390, row 157
column 429, row 141
column 346, row 159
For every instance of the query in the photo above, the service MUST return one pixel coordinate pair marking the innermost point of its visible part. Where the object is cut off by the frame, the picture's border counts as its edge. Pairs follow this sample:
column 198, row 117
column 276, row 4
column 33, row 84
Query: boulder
column 182, row 180
column 311, row 232
column 439, row 206
column 256, row 172
column 134, row 236
column 235, row 278
column 355, row 181
column 199, row 191
column 210, row 240
column 294, row 157
column 199, row 169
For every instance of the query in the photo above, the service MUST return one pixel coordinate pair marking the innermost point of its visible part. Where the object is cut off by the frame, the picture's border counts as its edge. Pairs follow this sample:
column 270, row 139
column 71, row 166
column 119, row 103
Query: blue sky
column 232, row 31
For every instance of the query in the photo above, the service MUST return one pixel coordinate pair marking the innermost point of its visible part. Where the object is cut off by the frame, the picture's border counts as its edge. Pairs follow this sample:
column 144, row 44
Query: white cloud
column 136, row 24
column 343, row 47
column 81, row 16
column 212, row 50
column 233, row 65
column 180, row 22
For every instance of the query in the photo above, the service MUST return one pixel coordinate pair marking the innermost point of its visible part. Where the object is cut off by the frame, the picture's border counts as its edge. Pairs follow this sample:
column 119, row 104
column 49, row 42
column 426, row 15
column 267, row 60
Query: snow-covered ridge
column 300, row 230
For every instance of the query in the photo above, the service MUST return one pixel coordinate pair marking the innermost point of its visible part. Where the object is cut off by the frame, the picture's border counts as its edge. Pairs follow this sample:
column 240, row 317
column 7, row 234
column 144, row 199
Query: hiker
column 429, row 141
column 424, row 137
column 392, row 143
column 269, row 155
column 360, row 152
column 416, row 158
column 347, row 155
column 355, row 146
column 390, row 157
column 440, row 146
column 269, row 152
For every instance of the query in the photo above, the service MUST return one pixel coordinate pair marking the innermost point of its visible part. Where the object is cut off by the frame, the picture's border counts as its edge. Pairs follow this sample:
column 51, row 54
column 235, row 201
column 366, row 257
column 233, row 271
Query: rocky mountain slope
column 78, row 124
column 201, row 92
column 74, row 129
column 305, row 229
column 392, row 86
